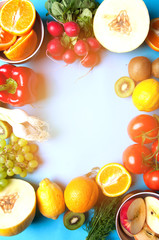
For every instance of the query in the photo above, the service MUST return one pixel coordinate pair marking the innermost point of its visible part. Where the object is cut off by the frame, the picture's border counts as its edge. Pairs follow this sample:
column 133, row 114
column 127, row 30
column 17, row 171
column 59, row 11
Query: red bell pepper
column 18, row 85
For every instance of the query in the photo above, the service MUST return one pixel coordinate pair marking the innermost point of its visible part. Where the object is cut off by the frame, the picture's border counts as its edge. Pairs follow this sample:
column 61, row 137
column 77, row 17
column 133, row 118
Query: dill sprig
column 103, row 220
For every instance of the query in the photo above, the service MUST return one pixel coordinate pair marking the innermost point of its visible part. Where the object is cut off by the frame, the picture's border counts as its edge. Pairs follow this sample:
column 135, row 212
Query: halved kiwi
column 124, row 87
column 5, row 130
column 73, row 220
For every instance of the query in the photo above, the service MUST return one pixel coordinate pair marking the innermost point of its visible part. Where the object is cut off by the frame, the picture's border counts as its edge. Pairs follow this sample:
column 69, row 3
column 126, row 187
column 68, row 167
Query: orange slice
column 153, row 36
column 23, row 47
column 113, row 179
column 17, row 16
column 6, row 39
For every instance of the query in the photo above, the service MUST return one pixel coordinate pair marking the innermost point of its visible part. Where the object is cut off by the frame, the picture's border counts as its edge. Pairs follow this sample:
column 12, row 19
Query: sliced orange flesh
column 153, row 36
column 23, row 47
column 113, row 179
column 6, row 39
column 17, row 16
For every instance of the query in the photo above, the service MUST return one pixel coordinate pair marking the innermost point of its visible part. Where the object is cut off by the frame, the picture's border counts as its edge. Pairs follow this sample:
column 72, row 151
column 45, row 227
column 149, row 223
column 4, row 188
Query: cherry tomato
column 134, row 158
column 155, row 149
column 140, row 125
column 151, row 179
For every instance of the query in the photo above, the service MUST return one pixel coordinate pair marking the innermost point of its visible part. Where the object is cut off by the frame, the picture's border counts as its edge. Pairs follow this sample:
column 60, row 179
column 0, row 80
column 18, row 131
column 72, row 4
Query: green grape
column 16, row 147
column 13, row 138
column 1, row 151
column 33, row 148
column 22, row 164
column 3, row 175
column 3, row 182
column 2, row 159
column 10, row 172
column 20, row 158
column 2, row 167
column 2, row 143
column 26, row 149
column 30, row 170
column 22, row 142
column 17, row 170
column 33, row 164
column 11, row 156
column 9, row 164
column 8, row 148
column 23, row 173
column 29, row 156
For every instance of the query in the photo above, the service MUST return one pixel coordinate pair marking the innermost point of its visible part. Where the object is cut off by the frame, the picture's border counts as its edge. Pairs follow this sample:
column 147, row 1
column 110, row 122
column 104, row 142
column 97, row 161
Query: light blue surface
column 88, row 122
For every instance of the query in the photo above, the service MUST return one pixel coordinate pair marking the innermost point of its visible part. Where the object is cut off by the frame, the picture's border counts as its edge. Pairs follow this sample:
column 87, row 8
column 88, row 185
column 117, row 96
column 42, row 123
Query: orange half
column 6, row 39
column 23, row 47
column 113, row 179
column 153, row 36
column 17, row 16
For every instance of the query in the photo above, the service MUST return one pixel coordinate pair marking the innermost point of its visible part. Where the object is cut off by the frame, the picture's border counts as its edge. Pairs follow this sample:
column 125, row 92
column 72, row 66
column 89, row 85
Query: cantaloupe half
column 121, row 25
column 17, row 207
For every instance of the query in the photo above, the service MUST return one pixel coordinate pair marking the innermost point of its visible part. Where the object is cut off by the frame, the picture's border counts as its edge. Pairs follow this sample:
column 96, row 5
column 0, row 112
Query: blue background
column 43, row 228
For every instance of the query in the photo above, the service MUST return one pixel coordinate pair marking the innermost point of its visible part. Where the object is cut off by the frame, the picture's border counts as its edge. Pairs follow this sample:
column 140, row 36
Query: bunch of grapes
column 18, row 157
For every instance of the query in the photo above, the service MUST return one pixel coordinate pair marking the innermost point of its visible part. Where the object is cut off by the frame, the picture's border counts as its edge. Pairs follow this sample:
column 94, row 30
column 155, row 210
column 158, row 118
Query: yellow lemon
column 146, row 95
column 50, row 199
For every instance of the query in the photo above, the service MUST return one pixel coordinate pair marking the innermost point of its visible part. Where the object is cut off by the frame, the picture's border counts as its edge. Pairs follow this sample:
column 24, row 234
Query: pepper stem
column 10, row 86
column 4, row 87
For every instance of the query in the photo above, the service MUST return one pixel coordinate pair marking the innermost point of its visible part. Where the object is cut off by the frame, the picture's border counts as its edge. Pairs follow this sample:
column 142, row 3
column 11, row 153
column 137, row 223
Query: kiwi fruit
column 155, row 68
column 5, row 130
column 139, row 68
column 72, row 220
column 124, row 87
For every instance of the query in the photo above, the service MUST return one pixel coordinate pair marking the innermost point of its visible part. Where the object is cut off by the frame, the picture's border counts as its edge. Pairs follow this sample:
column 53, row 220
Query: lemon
column 50, row 199
column 146, row 95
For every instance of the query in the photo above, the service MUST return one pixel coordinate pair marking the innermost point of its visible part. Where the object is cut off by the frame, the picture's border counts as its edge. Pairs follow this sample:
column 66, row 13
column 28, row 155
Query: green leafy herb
column 80, row 11
column 103, row 220
column 68, row 42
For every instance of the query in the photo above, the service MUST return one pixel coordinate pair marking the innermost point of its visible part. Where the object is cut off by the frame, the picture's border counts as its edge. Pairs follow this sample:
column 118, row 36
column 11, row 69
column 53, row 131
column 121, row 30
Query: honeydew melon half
column 121, row 25
column 17, row 207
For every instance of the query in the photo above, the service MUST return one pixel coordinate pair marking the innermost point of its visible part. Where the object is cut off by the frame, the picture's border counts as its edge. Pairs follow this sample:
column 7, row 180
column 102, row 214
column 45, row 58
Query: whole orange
column 81, row 194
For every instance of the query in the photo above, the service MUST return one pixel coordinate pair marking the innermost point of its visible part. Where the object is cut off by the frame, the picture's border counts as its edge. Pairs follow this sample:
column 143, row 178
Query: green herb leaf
column 80, row 11
column 57, row 10
column 86, row 13
column 103, row 220
column 65, row 40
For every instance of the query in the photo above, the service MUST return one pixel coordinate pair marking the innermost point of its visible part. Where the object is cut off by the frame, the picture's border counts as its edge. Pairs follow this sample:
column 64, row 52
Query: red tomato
column 134, row 158
column 155, row 149
column 141, row 125
column 151, row 179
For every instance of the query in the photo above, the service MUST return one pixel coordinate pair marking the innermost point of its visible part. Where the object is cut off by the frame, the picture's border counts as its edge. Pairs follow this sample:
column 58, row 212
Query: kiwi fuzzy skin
column 155, row 68
column 139, row 68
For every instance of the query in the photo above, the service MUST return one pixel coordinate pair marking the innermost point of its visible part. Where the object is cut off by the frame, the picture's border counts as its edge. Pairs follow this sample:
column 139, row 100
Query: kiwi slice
column 73, row 220
column 5, row 130
column 124, row 87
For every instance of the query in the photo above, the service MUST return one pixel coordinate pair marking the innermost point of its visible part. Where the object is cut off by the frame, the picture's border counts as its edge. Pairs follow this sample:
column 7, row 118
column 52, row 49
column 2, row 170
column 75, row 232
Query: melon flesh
column 119, row 34
column 17, row 207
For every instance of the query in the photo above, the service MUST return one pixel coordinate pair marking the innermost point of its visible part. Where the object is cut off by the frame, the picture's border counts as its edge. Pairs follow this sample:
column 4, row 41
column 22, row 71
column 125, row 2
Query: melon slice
column 17, row 207
column 121, row 25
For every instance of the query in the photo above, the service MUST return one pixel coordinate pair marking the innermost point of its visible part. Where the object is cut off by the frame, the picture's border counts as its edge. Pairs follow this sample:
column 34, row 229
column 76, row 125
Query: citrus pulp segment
column 17, row 16
column 6, row 39
column 113, row 179
column 153, row 36
column 23, row 47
